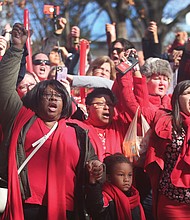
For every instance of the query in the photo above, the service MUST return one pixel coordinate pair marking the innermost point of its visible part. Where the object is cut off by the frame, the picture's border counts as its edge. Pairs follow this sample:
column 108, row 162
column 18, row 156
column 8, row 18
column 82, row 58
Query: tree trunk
column 121, row 30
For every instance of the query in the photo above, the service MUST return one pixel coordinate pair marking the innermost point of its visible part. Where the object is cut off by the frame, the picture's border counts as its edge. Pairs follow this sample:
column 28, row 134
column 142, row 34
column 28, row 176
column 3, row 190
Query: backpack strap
column 37, row 144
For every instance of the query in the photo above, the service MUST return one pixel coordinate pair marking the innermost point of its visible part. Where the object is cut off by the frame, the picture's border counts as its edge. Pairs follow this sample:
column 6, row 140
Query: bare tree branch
column 117, row 10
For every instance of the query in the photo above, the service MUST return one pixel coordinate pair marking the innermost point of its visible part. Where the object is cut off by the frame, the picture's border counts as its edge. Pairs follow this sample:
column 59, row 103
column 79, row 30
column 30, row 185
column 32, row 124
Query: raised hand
column 111, row 32
column 75, row 31
column 61, row 22
column 152, row 31
column 19, row 35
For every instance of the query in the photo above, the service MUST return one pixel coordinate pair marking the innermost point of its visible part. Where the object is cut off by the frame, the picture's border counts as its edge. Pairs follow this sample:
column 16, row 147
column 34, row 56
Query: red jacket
column 135, row 93
column 115, row 131
column 154, row 164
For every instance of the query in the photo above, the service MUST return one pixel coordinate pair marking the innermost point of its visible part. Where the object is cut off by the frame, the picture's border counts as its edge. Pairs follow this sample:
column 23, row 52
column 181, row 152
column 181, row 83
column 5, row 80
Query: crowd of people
column 63, row 159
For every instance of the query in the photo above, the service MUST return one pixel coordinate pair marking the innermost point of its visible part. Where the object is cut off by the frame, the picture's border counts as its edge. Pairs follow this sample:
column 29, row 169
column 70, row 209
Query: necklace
column 102, row 136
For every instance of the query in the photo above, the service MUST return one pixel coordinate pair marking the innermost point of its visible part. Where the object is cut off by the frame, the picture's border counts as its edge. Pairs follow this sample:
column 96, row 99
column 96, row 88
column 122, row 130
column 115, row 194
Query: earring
column 85, row 116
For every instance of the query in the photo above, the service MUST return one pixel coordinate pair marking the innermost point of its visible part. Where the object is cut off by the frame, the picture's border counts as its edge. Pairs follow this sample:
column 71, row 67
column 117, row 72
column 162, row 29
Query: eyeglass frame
column 102, row 104
column 58, row 96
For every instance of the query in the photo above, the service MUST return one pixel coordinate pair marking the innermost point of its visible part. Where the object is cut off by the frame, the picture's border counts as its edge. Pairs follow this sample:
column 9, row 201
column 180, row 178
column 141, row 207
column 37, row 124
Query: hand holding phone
column 61, row 73
column 126, row 66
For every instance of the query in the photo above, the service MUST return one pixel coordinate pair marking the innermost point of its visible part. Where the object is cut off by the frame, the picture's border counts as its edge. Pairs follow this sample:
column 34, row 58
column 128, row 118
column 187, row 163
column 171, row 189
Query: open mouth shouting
column 106, row 115
column 52, row 107
column 42, row 69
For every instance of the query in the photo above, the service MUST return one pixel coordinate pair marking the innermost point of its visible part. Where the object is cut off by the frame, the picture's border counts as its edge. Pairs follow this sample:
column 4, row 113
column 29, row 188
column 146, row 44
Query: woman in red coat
column 168, row 160
column 149, row 91
column 150, row 88
column 106, row 129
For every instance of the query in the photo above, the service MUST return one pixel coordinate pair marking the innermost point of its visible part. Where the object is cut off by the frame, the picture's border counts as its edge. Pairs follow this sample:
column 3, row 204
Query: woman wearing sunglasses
column 41, row 65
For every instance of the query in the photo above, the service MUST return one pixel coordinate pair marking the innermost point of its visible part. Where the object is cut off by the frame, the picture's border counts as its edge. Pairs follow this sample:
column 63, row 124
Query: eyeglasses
column 39, row 62
column 119, row 50
column 48, row 96
column 102, row 104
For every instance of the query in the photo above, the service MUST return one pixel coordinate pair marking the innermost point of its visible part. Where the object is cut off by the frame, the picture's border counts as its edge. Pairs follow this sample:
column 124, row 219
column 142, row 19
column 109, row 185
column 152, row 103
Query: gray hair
column 156, row 66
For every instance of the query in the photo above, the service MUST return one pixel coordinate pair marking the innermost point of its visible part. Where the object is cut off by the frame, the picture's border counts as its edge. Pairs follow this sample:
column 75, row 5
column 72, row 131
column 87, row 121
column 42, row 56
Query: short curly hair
column 113, row 159
column 156, row 66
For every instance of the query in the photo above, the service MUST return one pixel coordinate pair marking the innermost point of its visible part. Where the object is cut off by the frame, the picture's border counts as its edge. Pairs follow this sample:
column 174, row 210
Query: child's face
column 122, row 176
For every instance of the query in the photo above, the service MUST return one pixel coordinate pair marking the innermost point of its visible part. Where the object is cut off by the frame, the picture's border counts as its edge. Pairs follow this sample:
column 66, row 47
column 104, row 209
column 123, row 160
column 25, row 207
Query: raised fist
column 19, row 35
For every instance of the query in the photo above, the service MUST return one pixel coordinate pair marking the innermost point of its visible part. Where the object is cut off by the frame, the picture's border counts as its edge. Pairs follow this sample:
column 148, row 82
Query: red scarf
column 114, row 134
column 159, row 102
column 180, row 175
column 56, row 177
column 124, row 204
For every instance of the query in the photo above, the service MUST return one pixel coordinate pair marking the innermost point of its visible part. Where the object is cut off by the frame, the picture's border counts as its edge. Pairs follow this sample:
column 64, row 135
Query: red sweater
column 114, row 135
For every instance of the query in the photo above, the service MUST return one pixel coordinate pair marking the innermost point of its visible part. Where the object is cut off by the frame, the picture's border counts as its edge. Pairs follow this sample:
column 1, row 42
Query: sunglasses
column 39, row 62
column 119, row 50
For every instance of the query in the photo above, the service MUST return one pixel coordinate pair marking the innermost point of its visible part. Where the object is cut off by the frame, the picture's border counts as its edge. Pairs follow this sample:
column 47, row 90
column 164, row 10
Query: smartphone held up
column 50, row 9
column 126, row 66
column 61, row 73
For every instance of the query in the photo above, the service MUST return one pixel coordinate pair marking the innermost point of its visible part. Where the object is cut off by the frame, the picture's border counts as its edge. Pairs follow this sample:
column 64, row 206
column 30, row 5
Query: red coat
column 123, row 90
column 154, row 164
column 149, row 103
column 115, row 131
column 135, row 93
